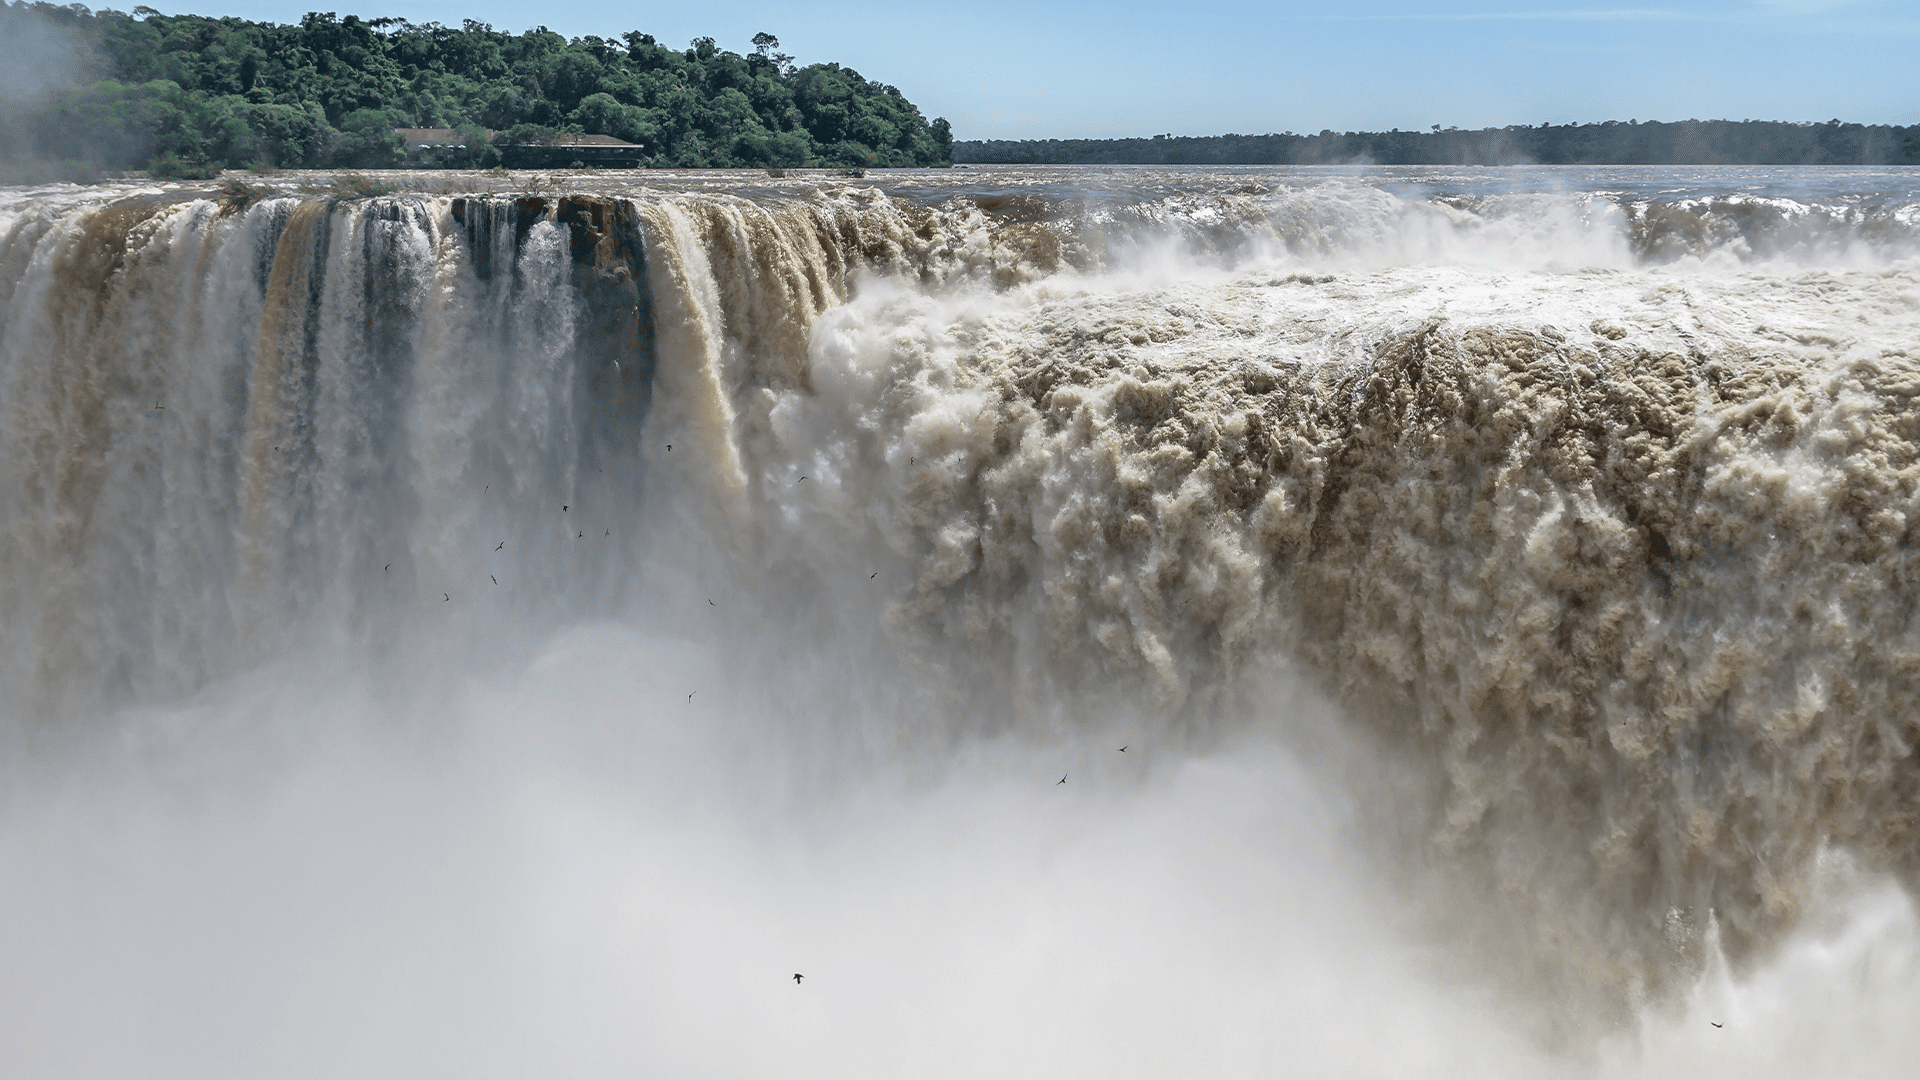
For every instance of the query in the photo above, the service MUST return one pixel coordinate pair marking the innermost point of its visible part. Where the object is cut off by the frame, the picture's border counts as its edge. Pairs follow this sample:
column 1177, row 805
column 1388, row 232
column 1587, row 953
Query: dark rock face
column 613, row 345
column 613, row 335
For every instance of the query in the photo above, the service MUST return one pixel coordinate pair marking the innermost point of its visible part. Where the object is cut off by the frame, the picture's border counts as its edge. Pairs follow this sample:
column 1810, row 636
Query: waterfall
column 1571, row 534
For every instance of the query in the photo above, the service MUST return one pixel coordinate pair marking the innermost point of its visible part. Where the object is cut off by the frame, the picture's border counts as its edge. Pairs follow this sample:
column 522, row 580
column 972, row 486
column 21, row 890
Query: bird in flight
column 500, row 545
column 157, row 405
column 563, row 509
column 669, row 448
column 1124, row 748
column 444, row 598
column 1063, row 780
column 386, row 568
column 873, row 575
column 496, row 580
column 797, row 977
column 1715, row 1024
column 582, row 536
column 710, row 602
column 690, row 696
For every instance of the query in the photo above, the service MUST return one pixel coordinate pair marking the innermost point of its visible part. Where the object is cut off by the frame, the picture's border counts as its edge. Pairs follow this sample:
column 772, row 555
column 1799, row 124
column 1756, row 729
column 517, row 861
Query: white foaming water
column 1501, row 582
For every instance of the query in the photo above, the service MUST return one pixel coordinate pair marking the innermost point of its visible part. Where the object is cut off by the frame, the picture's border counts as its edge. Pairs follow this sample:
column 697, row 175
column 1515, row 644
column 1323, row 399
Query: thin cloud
column 1800, row 7
column 1755, row 7
column 1590, row 15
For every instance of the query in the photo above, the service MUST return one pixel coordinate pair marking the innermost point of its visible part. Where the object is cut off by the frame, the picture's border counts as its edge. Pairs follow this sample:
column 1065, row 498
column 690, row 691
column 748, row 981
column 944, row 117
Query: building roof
column 431, row 137
column 566, row 139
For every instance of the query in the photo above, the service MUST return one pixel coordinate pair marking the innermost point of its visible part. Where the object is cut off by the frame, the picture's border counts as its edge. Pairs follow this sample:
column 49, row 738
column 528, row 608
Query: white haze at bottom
column 569, row 868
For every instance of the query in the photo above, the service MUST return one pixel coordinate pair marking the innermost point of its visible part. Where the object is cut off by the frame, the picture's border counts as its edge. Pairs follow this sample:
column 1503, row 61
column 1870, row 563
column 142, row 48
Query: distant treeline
column 1686, row 142
column 89, row 90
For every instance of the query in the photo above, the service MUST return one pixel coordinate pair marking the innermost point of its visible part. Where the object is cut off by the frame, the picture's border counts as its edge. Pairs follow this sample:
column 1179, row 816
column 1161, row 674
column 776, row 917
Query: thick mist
column 37, row 56
column 483, row 633
column 574, row 868
column 568, row 867
column 40, row 59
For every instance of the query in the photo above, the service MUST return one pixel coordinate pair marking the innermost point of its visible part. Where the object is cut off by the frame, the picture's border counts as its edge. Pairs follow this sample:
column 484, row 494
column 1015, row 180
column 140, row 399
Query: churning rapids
column 509, row 627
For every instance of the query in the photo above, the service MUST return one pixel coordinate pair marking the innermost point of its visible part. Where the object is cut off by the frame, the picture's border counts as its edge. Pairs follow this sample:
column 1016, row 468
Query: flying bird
column 386, row 568
column 710, row 602
column 797, row 977
column 157, row 405
column 444, row 598
column 669, row 448
column 496, row 580
column 802, row 478
column 500, row 545
column 873, row 575
column 1715, row 1025
column 582, row 536
column 1124, row 748
column 690, row 696
column 563, row 509
column 1063, row 780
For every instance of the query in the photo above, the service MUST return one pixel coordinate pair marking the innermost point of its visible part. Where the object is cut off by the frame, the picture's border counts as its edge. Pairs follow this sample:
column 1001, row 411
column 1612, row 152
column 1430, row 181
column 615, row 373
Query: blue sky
column 1063, row 69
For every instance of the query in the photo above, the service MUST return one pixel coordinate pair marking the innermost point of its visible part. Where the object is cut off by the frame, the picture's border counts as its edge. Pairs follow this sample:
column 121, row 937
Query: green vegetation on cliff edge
column 1634, row 142
column 190, row 93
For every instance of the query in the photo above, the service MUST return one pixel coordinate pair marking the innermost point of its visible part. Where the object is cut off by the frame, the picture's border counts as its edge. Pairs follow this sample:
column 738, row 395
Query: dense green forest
column 1686, row 142
column 108, row 90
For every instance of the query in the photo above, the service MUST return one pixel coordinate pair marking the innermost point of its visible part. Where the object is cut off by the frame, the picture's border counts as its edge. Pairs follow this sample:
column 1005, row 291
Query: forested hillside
column 1686, row 142
column 114, row 90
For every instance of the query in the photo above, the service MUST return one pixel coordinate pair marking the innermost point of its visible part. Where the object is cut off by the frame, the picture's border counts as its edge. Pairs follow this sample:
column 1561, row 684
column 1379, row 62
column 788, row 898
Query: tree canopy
column 1634, row 142
column 330, row 91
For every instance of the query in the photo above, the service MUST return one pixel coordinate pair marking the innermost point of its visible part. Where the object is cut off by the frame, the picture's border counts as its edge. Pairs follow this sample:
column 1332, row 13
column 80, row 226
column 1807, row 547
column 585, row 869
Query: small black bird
column 563, row 509
column 500, row 545
column 710, row 602
column 496, row 580
column 669, row 448
column 690, row 696
column 444, row 598
column 797, row 977
column 157, row 405
column 386, row 568
column 873, row 575
column 802, row 478
column 486, row 489
column 1062, row 781
column 1715, row 1025
column 1124, row 748
column 582, row 536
